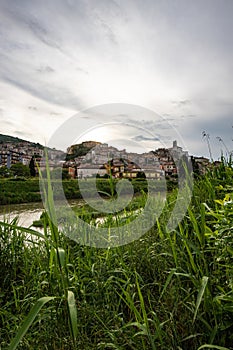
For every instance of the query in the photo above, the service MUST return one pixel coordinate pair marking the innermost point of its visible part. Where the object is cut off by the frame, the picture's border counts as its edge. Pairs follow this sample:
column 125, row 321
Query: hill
column 12, row 139
column 80, row 149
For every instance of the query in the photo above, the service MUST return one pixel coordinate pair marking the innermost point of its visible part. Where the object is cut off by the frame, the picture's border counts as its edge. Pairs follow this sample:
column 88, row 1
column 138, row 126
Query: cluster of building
column 22, row 152
column 102, row 160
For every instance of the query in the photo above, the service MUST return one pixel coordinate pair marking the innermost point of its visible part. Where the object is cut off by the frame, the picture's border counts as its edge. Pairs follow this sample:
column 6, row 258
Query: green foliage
column 12, row 139
column 5, row 172
column 167, row 290
column 19, row 190
column 23, row 190
column 32, row 167
column 78, row 151
column 7, row 138
column 28, row 321
column 20, row 169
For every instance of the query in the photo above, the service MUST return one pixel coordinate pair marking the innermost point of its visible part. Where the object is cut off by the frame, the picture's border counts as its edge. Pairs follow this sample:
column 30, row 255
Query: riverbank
column 27, row 213
column 17, row 191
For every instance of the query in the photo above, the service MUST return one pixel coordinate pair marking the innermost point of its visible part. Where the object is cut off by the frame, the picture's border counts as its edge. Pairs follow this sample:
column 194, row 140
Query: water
column 29, row 212
column 26, row 212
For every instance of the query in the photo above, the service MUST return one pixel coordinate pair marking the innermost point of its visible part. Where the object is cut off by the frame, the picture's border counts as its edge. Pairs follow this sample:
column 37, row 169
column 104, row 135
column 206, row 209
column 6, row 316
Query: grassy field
column 167, row 290
column 19, row 190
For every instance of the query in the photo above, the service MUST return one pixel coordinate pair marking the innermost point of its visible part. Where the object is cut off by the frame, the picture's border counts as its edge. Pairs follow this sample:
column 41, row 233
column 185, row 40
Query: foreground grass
column 168, row 290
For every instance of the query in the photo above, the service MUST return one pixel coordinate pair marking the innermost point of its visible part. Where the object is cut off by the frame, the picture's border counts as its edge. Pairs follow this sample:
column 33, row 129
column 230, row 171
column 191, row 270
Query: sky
column 137, row 73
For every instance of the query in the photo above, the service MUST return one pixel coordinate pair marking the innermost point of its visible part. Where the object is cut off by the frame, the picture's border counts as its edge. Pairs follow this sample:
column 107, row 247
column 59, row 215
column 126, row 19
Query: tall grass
column 167, row 290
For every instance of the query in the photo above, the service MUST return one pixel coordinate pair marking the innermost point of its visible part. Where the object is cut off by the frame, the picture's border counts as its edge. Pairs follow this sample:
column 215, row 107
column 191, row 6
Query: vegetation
column 19, row 190
column 16, row 170
column 20, row 169
column 32, row 166
column 78, row 150
column 23, row 190
column 6, row 138
column 5, row 172
column 167, row 290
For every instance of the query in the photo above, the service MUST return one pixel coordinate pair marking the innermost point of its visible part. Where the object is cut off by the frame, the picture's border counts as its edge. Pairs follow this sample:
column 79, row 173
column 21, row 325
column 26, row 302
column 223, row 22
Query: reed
column 167, row 290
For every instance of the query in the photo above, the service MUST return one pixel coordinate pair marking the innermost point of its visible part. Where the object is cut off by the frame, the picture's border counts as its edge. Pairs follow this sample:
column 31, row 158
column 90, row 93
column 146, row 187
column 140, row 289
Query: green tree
column 20, row 169
column 141, row 175
column 65, row 174
column 5, row 172
column 32, row 167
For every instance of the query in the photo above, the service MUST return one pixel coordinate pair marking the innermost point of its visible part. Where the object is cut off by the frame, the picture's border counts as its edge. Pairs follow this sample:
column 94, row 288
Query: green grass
column 167, row 290
column 20, row 190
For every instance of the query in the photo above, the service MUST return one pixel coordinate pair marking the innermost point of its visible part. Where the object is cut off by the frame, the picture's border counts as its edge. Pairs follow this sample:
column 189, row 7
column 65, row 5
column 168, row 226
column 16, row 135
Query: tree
column 20, row 169
column 141, row 175
column 32, row 166
column 5, row 172
column 65, row 174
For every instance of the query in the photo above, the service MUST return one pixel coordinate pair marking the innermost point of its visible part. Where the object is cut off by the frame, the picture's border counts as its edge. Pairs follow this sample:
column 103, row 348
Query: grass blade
column 72, row 314
column 146, row 327
column 28, row 321
column 22, row 229
column 209, row 346
column 200, row 295
column 171, row 273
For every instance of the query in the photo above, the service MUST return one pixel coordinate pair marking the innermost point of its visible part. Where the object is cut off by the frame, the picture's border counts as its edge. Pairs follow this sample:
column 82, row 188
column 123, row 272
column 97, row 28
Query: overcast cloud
column 174, row 57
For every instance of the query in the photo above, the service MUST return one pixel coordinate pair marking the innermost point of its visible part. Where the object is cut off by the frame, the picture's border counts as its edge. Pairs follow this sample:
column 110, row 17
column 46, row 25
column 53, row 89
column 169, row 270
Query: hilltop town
column 91, row 158
column 103, row 159
column 14, row 150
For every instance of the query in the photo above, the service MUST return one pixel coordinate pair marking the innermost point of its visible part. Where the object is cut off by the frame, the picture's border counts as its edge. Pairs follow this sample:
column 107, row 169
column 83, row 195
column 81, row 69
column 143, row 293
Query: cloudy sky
column 165, row 65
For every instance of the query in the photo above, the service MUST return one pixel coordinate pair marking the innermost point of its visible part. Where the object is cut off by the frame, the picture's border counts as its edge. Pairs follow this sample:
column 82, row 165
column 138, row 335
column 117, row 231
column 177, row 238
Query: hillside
column 12, row 139
column 80, row 149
